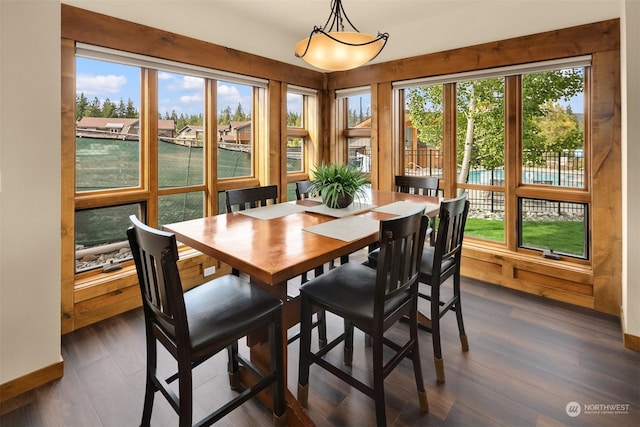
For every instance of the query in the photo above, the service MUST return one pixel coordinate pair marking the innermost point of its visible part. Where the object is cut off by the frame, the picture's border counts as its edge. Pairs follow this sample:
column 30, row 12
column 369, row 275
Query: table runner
column 346, row 229
column 352, row 209
column 405, row 208
column 274, row 211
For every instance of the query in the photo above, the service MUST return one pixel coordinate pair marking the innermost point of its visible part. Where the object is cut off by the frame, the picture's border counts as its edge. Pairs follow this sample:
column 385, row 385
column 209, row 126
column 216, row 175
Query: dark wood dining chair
column 248, row 198
column 253, row 197
column 439, row 263
column 372, row 301
column 197, row 324
column 425, row 185
column 304, row 191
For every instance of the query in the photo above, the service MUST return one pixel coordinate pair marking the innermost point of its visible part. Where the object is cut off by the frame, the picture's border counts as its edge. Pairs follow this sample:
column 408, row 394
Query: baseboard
column 30, row 381
column 632, row 342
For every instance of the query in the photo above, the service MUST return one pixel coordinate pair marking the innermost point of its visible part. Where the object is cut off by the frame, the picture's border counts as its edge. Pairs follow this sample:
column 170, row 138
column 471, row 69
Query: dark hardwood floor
column 529, row 358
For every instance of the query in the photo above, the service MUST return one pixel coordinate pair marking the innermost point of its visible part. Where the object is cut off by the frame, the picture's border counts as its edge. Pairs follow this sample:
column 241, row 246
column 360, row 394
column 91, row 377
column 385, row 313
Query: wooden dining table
column 276, row 243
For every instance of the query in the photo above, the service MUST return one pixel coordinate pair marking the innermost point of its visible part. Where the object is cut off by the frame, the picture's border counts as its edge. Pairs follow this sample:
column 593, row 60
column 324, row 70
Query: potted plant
column 338, row 184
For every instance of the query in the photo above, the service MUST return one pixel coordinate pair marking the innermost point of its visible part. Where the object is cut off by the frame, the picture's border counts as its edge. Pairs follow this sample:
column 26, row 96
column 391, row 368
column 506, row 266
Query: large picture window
column 548, row 123
column 152, row 150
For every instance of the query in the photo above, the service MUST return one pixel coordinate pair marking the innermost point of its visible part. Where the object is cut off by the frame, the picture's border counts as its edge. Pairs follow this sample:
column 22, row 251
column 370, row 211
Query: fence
column 560, row 169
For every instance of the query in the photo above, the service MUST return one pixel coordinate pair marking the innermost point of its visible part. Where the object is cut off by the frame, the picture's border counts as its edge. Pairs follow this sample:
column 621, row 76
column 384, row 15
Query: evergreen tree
column 108, row 108
column 224, row 118
column 240, row 115
column 94, row 109
column 81, row 106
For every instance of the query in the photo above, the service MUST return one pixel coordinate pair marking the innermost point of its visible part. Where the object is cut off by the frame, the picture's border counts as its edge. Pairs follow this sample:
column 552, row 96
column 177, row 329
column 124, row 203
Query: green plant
column 334, row 182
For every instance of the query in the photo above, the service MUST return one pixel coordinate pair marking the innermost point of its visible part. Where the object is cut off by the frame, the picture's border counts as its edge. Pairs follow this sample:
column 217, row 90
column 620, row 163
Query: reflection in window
column 107, row 125
column 180, row 130
column 423, row 131
column 101, row 235
column 553, row 127
column 556, row 226
column 235, row 130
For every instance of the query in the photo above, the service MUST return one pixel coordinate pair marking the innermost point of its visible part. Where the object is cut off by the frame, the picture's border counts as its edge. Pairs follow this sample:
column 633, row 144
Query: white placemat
column 346, row 229
column 405, row 208
column 274, row 211
column 352, row 209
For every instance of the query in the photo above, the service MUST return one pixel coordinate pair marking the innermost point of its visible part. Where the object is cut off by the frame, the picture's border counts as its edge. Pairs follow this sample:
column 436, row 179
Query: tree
column 130, row 111
column 94, row 109
column 240, row 115
column 294, row 119
column 224, row 118
column 480, row 116
column 108, row 108
column 81, row 106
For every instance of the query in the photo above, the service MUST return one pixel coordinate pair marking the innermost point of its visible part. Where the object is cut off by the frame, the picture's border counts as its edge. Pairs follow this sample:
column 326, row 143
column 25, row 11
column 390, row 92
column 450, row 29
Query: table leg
column 259, row 355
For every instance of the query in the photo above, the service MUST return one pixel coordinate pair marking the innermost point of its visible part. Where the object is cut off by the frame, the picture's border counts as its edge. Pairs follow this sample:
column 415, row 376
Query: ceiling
column 271, row 28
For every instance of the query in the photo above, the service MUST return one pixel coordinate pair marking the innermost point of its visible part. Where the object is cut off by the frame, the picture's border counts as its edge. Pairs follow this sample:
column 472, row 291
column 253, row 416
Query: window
column 235, row 130
column 121, row 168
column 534, row 109
column 480, row 154
column 300, row 121
column 354, row 111
column 423, row 131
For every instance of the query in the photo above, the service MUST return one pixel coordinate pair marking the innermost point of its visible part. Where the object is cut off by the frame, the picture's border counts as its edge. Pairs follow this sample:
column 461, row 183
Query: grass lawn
column 561, row 236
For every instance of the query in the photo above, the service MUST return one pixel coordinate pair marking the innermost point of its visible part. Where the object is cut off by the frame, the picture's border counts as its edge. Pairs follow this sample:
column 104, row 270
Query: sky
column 176, row 92
column 180, row 93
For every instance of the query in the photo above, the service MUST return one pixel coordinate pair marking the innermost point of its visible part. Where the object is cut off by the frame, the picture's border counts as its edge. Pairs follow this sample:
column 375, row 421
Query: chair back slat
column 401, row 243
column 155, row 254
column 452, row 220
column 425, row 185
column 303, row 190
column 247, row 198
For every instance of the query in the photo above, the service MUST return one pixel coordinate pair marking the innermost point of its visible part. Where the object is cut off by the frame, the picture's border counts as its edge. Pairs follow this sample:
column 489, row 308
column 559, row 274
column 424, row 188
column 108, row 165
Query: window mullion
column 149, row 141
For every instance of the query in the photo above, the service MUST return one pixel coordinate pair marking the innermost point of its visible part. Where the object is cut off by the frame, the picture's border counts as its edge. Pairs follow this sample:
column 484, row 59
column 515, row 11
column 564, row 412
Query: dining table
column 275, row 243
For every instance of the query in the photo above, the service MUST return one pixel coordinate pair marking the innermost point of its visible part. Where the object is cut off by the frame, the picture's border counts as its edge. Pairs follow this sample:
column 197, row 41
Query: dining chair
column 425, row 185
column 304, row 191
column 197, row 324
column 247, row 198
column 253, row 197
column 372, row 301
column 439, row 263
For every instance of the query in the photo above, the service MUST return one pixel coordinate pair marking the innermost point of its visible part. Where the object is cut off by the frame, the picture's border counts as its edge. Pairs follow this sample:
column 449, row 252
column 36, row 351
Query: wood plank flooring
column 528, row 359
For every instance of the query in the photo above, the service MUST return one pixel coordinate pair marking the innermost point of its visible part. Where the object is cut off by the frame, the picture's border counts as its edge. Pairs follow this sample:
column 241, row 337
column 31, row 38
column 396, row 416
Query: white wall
column 30, row 181
column 30, row 186
column 630, row 170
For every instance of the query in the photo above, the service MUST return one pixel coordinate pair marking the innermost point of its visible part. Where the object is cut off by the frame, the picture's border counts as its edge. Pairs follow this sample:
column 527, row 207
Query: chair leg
column 277, row 365
column 378, row 381
column 185, row 393
column 322, row 328
column 348, row 343
column 458, row 307
column 150, row 388
column 305, row 349
column 435, row 332
column 233, row 367
column 417, row 364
